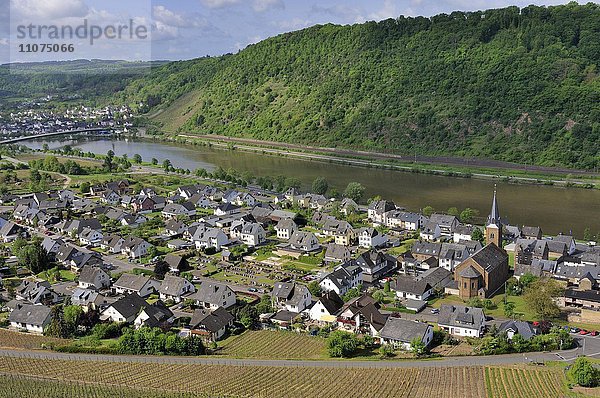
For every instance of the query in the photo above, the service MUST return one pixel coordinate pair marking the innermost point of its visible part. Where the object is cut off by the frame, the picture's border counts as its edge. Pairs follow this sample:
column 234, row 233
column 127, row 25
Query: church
column 484, row 273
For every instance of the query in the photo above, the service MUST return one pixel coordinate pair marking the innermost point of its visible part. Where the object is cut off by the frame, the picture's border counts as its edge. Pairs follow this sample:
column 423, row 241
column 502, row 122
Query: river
column 554, row 209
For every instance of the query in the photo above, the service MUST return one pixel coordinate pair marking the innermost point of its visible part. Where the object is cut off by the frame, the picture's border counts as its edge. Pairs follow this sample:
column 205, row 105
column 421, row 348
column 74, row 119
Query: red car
column 583, row 332
column 594, row 333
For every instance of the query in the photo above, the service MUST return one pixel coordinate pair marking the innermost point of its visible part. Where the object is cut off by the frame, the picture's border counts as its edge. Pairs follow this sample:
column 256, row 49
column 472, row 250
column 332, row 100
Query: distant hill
column 511, row 84
column 90, row 78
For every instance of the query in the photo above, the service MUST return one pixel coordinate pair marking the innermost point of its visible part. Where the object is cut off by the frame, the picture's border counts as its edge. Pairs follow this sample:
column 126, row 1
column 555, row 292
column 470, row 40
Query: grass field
column 274, row 345
column 10, row 339
column 252, row 381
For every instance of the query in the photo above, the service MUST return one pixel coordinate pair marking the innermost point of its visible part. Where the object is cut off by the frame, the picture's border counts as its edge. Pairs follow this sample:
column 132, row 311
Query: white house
column 285, row 228
column 342, row 278
column 93, row 278
column 140, row 284
column 326, row 307
column 174, row 288
column 213, row 295
column 291, row 296
column 253, row 234
column 126, row 309
column 209, row 238
column 134, row 247
column 371, row 238
column 90, row 237
column 33, row 318
column 304, row 241
column 401, row 333
column 408, row 287
column 462, row 321
column 463, row 232
column 431, row 231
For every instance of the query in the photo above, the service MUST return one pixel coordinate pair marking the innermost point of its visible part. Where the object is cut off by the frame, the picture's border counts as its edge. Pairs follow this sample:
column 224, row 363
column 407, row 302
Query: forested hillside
column 92, row 79
column 510, row 84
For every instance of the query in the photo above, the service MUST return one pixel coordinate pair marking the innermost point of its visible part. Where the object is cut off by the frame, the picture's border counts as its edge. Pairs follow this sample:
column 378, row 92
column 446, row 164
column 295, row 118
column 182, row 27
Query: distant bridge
column 57, row 133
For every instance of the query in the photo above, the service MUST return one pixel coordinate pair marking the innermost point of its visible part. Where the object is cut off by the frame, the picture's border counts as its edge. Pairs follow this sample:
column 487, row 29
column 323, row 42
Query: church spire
column 494, row 217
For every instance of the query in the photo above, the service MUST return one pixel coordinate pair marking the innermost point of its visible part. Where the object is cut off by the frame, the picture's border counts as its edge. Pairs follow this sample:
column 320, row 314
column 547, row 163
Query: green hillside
column 510, row 84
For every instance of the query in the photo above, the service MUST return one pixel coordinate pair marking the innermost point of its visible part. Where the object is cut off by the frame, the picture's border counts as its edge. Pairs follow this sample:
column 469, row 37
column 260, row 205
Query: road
column 592, row 343
column 57, row 133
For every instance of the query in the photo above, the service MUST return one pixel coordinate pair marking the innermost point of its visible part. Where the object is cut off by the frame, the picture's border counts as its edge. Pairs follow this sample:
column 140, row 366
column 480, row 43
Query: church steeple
column 494, row 217
column 493, row 228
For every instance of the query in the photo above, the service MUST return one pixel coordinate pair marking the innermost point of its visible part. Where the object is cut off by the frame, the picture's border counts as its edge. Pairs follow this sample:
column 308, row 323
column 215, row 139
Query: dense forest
column 510, row 84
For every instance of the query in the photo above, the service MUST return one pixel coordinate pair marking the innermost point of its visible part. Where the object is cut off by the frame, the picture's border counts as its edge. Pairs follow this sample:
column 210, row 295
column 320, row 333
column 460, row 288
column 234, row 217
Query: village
column 33, row 119
column 211, row 260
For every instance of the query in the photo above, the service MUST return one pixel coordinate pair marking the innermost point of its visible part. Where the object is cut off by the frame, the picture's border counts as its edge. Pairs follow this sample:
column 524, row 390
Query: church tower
column 493, row 228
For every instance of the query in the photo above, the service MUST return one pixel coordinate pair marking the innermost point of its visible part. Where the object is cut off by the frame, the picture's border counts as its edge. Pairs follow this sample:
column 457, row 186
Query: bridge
column 54, row 134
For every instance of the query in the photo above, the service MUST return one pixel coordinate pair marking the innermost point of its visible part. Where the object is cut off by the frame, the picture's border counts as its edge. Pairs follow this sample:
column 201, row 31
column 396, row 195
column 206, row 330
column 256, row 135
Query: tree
column 428, row 211
column 478, row 235
column 453, row 211
column 320, row 186
column 352, row 293
column 160, row 269
column 587, row 235
column 379, row 296
column 137, row 158
column 418, row 347
column 386, row 286
column 264, row 306
column 315, row 289
column 166, row 164
column 154, row 161
column 84, row 187
column 33, row 256
column 468, row 214
column 584, row 373
column 354, row 191
column 540, row 296
column 509, row 309
column 341, row 344
column 527, row 279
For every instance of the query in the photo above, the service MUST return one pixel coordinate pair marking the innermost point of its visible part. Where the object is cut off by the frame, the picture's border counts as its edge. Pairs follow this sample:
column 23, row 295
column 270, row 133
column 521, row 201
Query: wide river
column 554, row 209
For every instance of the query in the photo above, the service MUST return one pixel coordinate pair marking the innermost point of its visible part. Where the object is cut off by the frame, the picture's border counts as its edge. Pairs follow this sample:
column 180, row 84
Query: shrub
column 584, row 373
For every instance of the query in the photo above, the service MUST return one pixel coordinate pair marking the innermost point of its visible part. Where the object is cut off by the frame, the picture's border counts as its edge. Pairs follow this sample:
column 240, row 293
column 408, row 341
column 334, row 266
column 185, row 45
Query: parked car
column 575, row 330
column 594, row 333
column 435, row 310
column 583, row 332
column 252, row 289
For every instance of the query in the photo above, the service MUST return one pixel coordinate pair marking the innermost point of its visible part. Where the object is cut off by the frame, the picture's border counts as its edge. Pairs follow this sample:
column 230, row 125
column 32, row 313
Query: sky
column 185, row 29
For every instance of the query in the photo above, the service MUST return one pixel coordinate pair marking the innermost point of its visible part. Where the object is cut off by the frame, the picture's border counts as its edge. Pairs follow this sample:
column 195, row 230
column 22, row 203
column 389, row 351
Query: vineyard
column 26, row 387
column 10, row 339
column 275, row 345
column 254, row 381
column 517, row 382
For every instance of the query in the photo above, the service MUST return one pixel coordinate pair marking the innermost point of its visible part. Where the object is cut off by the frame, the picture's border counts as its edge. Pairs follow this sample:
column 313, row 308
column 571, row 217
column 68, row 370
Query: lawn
column 65, row 275
column 403, row 248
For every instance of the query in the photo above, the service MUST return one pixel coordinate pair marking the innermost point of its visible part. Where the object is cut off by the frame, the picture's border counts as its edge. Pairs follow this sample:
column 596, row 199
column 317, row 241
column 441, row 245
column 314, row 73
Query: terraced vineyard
column 256, row 381
column 265, row 344
column 10, row 339
column 517, row 382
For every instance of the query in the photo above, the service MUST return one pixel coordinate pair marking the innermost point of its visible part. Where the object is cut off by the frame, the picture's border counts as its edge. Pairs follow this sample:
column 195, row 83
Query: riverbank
column 473, row 169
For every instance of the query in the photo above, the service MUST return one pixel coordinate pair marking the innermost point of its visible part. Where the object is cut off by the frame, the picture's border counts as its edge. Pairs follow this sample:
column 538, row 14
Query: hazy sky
column 186, row 29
